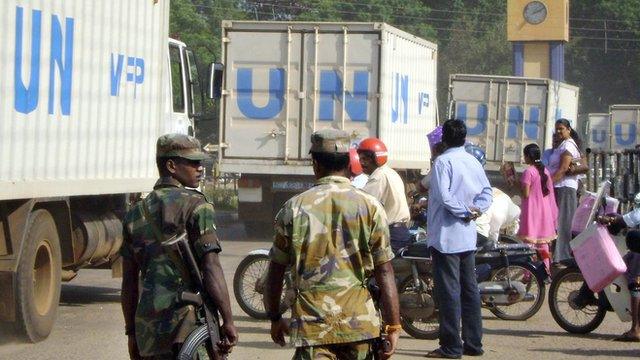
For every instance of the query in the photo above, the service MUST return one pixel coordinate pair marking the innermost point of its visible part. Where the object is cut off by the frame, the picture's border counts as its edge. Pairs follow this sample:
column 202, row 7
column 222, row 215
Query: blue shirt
column 632, row 218
column 458, row 182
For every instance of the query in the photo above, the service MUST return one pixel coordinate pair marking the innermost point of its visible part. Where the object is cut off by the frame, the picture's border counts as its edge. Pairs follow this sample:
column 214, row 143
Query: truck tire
column 38, row 278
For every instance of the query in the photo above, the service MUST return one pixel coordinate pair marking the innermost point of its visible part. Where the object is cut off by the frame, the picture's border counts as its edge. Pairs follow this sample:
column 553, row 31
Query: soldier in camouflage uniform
column 156, row 322
column 334, row 237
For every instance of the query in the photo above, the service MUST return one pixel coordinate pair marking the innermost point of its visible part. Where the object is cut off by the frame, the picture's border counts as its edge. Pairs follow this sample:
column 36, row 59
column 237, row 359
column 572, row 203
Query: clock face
column 535, row 12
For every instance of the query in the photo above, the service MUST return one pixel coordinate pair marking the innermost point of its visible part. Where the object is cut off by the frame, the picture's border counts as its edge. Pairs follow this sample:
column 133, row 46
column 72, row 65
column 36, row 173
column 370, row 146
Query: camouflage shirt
column 160, row 319
column 332, row 235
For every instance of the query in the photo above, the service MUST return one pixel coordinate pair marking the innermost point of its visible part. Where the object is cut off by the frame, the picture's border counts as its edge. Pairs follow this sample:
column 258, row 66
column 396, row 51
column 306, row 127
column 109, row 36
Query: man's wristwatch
column 388, row 329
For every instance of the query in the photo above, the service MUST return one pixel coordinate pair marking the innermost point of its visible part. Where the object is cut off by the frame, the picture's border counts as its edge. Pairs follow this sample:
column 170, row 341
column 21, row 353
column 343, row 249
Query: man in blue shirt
column 460, row 192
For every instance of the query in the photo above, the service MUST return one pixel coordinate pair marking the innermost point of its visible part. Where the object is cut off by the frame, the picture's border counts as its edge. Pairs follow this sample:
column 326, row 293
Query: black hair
column 532, row 151
column 574, row 134
column 454, row 132
column 438, row 149
column 633, row 241
column 331, row 162
column 162, row 165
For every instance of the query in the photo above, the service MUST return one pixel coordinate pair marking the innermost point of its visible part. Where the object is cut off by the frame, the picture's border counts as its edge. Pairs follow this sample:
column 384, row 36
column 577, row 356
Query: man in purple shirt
column 460, row 192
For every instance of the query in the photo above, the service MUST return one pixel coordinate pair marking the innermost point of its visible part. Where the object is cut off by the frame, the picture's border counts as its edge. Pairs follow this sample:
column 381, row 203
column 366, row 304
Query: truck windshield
column 195, row 86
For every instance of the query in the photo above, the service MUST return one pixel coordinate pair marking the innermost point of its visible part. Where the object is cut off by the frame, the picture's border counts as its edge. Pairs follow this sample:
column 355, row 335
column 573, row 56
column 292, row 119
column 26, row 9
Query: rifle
column 179, row 244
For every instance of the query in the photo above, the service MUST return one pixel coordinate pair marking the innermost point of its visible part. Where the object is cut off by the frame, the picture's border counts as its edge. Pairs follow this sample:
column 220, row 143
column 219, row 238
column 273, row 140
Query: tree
column 601, row 57
column 603, row 53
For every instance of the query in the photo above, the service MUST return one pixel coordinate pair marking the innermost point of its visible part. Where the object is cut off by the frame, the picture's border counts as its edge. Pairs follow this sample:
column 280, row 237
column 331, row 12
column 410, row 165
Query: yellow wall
column 554, row 28
column 536, row 59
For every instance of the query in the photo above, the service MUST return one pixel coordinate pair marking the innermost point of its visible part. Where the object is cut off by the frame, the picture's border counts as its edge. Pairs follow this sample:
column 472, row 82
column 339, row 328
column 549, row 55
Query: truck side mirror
column 215, row 80
column 452, row 110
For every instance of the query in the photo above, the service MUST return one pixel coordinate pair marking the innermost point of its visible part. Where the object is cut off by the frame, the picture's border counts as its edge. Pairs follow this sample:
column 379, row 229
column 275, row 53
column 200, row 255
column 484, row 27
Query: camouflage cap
column 329, row 141
column 179, row 145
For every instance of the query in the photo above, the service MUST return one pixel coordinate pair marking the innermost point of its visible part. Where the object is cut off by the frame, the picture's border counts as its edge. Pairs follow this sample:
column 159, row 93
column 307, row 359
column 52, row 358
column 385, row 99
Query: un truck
column 615, row 130
column 85, row 90
column 284, row 80
column 504, row 113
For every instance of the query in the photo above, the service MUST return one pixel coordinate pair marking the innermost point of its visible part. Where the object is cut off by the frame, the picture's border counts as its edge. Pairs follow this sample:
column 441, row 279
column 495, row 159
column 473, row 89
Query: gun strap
column 184, row 274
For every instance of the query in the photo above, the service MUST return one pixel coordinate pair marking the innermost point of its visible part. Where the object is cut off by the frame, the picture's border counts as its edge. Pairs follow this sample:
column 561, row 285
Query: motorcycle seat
column 417, row 249
column 511, row 249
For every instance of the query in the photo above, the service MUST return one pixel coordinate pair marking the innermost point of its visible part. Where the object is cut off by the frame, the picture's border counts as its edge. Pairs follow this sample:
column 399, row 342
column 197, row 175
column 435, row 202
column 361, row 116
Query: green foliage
column 604, row 64
column 198, row 24
column 222, row 198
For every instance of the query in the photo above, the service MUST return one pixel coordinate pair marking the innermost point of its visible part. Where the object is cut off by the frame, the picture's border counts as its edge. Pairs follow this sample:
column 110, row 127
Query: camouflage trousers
column 362, row 350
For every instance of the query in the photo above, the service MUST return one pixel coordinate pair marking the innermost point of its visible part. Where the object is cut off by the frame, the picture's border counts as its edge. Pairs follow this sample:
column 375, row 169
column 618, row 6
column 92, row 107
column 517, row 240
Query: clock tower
column 538, row 30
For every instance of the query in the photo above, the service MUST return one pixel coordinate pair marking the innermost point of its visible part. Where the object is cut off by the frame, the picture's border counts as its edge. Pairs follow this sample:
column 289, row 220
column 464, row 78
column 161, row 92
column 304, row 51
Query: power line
column 439, row 28
column 495, row 14
column 404, row 16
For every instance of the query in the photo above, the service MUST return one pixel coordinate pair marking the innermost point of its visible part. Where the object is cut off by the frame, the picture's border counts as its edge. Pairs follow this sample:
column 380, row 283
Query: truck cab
column 78, row 146
column 186, row 90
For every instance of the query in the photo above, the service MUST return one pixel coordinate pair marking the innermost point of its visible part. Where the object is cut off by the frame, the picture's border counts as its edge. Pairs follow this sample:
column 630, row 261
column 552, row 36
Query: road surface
column 90, row 324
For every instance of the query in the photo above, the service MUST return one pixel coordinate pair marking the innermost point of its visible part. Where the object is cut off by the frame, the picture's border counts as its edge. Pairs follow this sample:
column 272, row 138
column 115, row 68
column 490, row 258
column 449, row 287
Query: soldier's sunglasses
column 192, row 163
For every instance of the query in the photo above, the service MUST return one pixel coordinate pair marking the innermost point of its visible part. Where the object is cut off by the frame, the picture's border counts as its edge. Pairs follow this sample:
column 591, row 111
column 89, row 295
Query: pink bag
column 581, row 216
column 597, row 256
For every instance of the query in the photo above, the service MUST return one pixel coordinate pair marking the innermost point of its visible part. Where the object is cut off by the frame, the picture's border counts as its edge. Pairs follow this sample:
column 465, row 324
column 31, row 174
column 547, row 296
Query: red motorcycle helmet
column 354, row 162
column 377, row 147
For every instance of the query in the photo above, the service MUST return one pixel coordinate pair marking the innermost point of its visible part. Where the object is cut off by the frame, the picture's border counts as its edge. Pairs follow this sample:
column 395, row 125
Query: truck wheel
column 38, row 278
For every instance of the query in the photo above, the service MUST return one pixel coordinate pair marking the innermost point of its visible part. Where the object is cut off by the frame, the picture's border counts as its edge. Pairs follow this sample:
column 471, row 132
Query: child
column 632, row 260
column 539, row 211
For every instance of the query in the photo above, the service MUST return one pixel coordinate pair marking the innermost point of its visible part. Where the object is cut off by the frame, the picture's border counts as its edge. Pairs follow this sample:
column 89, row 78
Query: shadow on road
column 252, row 330
column 528, row 333
column 8, row 335
column 415, row 353
column 594, row 352
column 75, row 295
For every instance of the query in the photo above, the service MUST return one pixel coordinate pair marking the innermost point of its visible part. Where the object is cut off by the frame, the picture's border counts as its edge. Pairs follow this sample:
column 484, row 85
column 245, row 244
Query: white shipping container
column 504, row 114
column 624, row 122
column 84, row 96
column 598, row 131
column 284, row 80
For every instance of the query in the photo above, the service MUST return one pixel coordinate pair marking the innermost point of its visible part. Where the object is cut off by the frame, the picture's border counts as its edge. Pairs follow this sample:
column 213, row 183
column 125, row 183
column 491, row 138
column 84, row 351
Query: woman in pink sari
column 539, row 211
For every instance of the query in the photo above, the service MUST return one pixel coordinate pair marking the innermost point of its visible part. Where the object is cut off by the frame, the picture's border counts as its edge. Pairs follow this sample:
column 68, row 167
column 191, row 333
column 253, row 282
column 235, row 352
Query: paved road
column 90, row 325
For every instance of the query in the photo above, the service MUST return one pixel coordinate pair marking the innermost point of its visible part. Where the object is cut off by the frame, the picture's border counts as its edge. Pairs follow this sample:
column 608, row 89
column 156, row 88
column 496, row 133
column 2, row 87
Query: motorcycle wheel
column 428, row 329
column 574, row 318
column 249, row 271
column 535, row 286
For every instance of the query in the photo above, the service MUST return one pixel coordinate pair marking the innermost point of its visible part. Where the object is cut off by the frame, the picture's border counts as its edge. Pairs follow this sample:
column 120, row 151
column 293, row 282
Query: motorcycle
column 573, row 305
column 510, row 282
column 249, row 281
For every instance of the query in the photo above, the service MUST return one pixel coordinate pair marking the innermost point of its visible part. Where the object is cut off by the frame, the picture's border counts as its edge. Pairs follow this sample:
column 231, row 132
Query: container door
column 563, row 103
column 598, row 132
column 262, row 83
column 521, row 119
column 477, row 104
column 624, row 123
column 341, row 82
